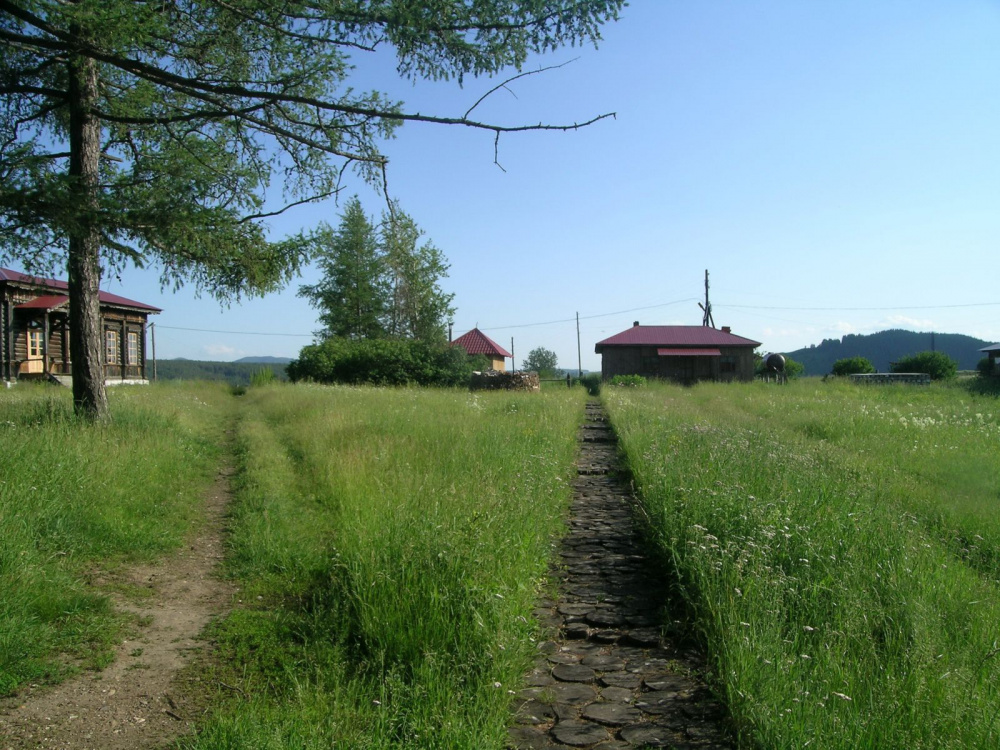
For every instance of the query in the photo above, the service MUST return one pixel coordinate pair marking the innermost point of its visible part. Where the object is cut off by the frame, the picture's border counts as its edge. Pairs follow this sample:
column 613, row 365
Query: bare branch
column 311, row 199
column 496, row 153
column 503, row 84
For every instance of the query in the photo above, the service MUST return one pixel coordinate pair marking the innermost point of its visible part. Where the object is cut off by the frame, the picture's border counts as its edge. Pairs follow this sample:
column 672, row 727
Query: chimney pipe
column 727, row 329
column 635, row 324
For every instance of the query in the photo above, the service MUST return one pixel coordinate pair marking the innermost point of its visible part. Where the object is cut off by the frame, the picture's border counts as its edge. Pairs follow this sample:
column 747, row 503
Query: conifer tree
column 352, row 296
column 418, row 307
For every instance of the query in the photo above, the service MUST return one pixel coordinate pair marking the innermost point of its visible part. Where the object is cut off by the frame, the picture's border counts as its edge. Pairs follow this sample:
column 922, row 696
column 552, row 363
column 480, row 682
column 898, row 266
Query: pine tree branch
column 189, row 85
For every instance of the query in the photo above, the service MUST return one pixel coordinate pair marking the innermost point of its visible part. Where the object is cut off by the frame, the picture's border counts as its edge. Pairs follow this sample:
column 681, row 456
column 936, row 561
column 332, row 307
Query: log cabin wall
column 52, row 349
column 735, row 363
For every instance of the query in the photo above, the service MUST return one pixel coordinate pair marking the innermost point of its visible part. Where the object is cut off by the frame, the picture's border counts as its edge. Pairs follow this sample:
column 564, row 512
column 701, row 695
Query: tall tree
column 418, row 307
column 148, row 131
column 352, row 296
column 541, row 360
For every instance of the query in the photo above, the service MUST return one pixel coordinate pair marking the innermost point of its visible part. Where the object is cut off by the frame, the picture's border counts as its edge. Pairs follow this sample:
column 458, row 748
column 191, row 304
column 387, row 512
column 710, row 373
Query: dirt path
column 607, row 680
column 134, row 703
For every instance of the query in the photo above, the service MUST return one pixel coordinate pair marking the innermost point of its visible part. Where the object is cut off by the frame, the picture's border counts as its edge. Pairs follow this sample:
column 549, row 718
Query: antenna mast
column 707, row 320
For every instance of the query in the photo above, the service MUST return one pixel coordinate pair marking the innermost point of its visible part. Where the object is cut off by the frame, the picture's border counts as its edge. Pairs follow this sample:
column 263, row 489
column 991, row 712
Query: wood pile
column 491, row 380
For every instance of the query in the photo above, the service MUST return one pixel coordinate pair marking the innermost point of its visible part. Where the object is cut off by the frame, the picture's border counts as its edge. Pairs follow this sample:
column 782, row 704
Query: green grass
column 75, row 496
column 836, row 549
column 389, row 545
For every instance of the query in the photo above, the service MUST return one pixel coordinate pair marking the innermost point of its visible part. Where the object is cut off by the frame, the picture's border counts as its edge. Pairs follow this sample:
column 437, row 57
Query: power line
column 236, row 333
column 590, row 317
column 622, row 312
column 857, row 309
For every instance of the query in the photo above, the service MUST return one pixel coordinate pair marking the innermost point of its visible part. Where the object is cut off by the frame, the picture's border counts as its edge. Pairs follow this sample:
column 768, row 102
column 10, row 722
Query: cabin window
column 111, row 347
column 133, row 348
column 727, row 364
column 34, row 343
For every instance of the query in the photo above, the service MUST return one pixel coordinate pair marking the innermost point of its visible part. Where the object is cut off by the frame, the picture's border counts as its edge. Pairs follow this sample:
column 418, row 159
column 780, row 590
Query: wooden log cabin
column 684, row 354
column 476, row 342
column 34, row 325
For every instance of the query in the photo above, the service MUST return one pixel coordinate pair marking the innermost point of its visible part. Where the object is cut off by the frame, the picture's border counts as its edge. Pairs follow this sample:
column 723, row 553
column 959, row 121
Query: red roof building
column 34, row 330
column 681, row 353
column 477, row 342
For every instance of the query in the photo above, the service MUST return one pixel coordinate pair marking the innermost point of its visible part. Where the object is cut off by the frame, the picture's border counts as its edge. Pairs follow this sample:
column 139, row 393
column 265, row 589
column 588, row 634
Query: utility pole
column 707, row 319
column 513, row 362
column 579, row 359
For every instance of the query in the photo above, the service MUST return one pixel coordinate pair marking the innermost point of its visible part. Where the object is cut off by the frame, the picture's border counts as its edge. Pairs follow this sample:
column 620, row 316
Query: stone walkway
column 607, row 681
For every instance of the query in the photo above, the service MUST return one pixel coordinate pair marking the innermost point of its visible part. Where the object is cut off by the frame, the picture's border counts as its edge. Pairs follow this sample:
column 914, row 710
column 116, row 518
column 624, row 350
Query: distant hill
column 888, row 346
column 234, row 373
column 265, row 360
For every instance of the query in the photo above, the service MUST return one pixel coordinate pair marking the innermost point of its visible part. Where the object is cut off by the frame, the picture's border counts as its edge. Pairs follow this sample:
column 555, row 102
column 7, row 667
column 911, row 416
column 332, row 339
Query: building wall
column 14, row 326
column 735, row 363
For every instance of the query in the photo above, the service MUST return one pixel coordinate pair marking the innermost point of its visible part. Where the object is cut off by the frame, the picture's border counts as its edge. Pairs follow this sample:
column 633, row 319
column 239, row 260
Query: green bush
column 986, row 367
column 592, row 382
column 628, row 381
column 262, row 376
column 936, row 364
column 381, row 362
column 852, row 366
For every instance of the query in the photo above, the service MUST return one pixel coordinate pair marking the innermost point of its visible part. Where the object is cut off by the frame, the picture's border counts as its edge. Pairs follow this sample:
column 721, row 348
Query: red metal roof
column 477, row 342
column 106, row 297
column 691, row 352
column 47, row 302
column 674, row 337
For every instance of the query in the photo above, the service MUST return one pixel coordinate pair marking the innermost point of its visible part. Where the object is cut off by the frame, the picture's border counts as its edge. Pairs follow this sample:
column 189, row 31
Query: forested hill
column 888, row 346
column 234, row 373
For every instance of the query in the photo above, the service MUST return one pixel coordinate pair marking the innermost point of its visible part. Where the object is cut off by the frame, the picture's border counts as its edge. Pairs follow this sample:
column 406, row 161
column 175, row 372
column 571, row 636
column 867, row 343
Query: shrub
column 852, row 366
column 263, row 376
column 628, row 381
column 986, row 367
column 592, row 382
column 936, row 364
column 381, row 362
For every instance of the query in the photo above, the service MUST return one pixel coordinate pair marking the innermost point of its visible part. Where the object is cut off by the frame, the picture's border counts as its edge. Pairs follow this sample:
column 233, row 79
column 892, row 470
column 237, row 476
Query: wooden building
column 34, row 326
column 993, row 352
column 684, row 354
column 477, row 342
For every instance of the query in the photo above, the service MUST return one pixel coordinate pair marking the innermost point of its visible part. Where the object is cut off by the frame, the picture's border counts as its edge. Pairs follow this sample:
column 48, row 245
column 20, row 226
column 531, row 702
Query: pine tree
column 418, row 307
column 352, row 297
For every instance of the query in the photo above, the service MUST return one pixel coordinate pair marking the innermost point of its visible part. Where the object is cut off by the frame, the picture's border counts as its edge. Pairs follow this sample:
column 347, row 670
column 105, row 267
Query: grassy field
column 389, row 545
column 78, row 497
column 837, row 550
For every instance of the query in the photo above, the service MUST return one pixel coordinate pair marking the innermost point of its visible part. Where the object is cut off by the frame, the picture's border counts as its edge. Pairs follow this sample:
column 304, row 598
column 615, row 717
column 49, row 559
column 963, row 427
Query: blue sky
column 835, row 166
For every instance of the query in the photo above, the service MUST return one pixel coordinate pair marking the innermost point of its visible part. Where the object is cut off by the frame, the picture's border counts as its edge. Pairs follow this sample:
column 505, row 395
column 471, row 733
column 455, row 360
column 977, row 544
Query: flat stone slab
column 579, row 733
column 529, row 738
column 573, row 694
column 604, row 662
column 535, row 712
column 612, row 714
column 578, row 610
column 651, row 735
column 621, row 679
column 573, row 673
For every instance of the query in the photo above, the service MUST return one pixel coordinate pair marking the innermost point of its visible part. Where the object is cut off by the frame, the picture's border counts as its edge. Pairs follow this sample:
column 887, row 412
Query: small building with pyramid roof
column 477, row 342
